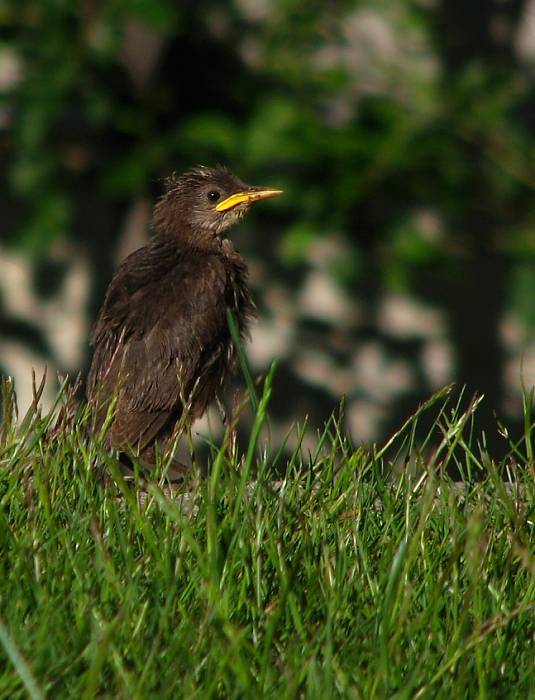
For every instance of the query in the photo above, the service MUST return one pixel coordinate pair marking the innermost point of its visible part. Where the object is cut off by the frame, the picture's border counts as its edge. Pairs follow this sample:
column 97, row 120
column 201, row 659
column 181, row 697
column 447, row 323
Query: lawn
column 360, row 573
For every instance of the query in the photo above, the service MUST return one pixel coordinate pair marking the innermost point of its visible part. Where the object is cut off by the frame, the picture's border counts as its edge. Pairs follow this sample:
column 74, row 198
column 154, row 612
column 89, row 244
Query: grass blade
column 20, row 664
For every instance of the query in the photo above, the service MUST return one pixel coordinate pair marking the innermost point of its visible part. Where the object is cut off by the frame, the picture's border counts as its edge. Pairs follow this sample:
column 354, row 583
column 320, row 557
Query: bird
column 162, row 347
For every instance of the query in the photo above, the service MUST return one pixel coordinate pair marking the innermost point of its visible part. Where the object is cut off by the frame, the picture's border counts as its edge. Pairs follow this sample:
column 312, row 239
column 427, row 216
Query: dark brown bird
column 161, row 341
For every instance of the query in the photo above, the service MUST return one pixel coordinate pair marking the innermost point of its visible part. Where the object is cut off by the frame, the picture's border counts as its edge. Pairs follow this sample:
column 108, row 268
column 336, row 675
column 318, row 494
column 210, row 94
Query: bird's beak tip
column 258, row 195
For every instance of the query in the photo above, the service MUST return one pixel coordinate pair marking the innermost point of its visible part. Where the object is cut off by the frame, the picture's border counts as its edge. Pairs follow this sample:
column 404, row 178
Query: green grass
column 351, row 577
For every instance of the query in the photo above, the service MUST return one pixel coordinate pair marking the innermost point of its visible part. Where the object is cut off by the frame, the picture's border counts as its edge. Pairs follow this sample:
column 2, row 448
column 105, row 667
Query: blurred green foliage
column 275, row 87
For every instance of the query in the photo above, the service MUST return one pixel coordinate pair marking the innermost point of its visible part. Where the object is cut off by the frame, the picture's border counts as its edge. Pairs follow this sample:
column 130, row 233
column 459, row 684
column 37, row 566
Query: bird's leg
column 147, row 462
column 221, row 409
column 176, row 473
column 232, row 446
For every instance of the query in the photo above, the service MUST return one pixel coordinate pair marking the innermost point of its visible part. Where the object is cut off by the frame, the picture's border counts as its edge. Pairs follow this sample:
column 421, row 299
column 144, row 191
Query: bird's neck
column 198, row 246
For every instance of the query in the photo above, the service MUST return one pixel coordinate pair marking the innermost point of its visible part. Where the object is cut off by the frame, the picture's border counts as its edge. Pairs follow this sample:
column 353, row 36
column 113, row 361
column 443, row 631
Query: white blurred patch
column 403, row 317
column 437, row 363
column 525, row 37
column 61, row 318
column 322, row 298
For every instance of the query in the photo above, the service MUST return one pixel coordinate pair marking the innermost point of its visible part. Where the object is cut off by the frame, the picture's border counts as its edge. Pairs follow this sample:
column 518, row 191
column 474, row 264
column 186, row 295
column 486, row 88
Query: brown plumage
column 161, row 339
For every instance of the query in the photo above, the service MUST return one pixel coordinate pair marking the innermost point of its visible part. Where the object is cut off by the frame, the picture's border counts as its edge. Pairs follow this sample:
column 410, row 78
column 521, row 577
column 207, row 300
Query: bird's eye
column 214, row 195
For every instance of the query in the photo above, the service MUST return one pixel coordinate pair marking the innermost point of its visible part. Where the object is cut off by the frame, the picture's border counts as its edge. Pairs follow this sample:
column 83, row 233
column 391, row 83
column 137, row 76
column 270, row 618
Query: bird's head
column 204, row 203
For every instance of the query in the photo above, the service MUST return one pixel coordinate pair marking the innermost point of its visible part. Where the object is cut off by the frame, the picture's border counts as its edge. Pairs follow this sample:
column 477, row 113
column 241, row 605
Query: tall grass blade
column 244, row 364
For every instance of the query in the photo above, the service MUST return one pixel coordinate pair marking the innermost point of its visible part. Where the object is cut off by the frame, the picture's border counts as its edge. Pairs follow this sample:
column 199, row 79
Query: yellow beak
column 246, row 197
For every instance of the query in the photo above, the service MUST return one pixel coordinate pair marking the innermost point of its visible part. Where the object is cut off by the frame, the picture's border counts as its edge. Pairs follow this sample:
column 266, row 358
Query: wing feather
column 160, row 325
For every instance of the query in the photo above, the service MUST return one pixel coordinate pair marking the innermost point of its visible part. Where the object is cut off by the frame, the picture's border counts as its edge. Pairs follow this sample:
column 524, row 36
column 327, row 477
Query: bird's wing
column 161, row 318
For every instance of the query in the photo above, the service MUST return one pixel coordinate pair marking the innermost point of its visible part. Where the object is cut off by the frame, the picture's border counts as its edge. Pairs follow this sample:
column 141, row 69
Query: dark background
column 402, row 254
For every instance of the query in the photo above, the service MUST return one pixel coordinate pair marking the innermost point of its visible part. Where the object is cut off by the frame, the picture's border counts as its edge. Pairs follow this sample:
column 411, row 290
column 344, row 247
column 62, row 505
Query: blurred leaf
column 523, row 293
column 296, row 241
column 210, row 136
column 409, row 248
column 158, row 14
column 346, row 268
column 410, row 245
column 128, row 175
column 49, row 219
column 277, row 130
